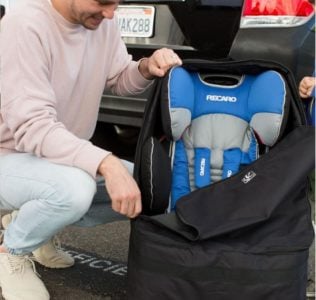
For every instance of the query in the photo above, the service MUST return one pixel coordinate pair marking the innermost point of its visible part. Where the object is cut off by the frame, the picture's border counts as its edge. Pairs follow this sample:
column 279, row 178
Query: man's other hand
column 121, row 187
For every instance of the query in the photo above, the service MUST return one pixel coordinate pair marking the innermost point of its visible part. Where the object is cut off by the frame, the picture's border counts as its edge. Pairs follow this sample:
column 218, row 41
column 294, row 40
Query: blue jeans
column 49, row 197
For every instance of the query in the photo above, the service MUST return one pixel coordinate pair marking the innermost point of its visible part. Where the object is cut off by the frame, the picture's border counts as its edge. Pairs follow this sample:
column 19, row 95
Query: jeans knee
column 76, row 191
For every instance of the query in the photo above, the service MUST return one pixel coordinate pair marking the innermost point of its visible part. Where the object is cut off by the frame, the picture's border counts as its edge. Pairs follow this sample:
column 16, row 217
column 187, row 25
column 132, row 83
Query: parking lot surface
column 100, row 270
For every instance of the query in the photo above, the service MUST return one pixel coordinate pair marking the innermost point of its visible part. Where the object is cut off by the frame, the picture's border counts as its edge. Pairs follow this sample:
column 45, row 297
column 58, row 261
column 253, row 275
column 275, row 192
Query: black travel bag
column 244, row 237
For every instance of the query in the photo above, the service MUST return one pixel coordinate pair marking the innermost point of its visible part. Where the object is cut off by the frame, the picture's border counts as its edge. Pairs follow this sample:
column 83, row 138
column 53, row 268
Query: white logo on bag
column 249, row 176
column 202, row 167
column 219, row 98
column 229, row 173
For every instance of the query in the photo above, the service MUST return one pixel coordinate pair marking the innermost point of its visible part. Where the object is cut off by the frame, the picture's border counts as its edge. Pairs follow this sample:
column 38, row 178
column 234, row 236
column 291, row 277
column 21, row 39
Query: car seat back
column 215, row 126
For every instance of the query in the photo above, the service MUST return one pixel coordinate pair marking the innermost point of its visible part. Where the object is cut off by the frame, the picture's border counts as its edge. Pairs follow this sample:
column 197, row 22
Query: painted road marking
column 93, row 262
column 96, row 275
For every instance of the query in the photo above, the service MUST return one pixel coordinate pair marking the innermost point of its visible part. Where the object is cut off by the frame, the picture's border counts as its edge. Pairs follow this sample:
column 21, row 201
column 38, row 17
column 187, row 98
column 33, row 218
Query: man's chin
column 89, row 27
column 92, row 23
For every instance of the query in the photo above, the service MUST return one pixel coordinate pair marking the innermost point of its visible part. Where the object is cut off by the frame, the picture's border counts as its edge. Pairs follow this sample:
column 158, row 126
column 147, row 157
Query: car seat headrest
column 257, row 99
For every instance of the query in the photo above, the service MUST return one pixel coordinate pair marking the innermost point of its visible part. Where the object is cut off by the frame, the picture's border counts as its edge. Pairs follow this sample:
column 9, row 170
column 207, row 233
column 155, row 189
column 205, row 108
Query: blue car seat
column 214, row 129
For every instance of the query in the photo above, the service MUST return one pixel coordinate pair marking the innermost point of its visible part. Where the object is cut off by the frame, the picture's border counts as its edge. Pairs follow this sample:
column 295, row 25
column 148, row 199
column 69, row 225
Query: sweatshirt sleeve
column 124, row 77
column 28, row 102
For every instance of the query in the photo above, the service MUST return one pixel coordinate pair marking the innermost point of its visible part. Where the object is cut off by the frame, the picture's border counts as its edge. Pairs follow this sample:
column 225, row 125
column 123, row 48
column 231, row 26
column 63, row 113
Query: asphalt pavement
column 100, row 270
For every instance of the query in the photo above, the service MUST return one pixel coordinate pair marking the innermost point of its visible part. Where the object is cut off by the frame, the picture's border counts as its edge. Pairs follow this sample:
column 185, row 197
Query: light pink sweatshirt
column 53, row 74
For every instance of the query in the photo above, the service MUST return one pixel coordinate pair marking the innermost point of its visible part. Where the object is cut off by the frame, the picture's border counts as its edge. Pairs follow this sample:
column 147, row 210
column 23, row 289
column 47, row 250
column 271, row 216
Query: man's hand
column 159, row 63
column 121, row 187
column 306, row 86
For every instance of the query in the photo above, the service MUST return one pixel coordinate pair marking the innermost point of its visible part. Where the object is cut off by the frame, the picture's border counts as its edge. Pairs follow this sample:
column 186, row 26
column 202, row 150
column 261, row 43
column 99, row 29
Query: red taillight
column 276, row 12
column 301, row 8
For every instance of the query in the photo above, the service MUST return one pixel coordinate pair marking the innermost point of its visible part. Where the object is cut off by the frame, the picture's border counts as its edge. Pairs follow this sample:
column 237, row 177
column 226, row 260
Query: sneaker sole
column 55, row 266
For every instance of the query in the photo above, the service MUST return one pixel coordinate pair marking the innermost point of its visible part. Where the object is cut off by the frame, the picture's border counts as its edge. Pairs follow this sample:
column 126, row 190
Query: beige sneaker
column 18, row 279
column 49, row 255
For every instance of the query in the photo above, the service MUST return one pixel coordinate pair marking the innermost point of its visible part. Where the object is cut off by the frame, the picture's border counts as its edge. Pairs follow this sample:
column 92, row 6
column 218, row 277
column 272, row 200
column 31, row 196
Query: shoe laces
column 17, row 263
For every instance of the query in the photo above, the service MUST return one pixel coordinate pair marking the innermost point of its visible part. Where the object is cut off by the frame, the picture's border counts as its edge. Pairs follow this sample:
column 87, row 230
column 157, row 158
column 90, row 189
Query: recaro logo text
column 219, row 98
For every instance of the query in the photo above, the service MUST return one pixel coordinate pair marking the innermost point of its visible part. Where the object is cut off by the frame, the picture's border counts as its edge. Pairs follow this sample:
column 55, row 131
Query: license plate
column 135, row 20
